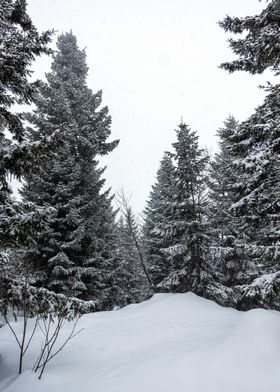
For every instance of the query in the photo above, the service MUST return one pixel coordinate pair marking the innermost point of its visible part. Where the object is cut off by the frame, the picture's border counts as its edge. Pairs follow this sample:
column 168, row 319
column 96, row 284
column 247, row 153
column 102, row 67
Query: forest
column 70, row 247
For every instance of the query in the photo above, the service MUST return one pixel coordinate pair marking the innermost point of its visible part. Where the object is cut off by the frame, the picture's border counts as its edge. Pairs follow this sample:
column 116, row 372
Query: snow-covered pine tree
column 226, row 250
column 75, row 255
column 157, row 215
column 256, row 149
column 259, row 49
column 221, row 175
column 226, row 257
column 20, row 45
column 185, row 230
column 256, row 146
column 20, row 221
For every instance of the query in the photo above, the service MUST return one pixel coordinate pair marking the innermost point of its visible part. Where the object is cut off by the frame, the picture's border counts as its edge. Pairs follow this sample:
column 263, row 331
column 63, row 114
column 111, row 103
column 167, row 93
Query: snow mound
column 173, row 342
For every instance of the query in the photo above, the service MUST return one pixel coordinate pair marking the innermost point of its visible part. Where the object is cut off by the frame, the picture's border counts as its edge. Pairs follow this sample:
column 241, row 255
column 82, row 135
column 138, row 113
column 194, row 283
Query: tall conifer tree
column 20, row 45
column 75, row 255
column 221, row 176
column 185, row 230
column 226, row 255
column 157, row 215
column 255, row 147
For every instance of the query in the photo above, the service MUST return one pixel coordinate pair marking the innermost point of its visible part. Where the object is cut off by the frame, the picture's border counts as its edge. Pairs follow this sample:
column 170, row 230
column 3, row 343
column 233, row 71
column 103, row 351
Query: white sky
column 156, row 61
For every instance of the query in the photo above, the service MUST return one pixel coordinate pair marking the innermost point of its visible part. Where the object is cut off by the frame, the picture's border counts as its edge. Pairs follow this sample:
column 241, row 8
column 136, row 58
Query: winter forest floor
column 172, row 342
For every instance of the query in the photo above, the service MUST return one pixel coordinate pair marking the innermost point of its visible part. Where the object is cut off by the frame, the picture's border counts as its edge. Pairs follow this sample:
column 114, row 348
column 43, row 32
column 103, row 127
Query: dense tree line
column 236, row 231
column 63, row 235
column 211, row 226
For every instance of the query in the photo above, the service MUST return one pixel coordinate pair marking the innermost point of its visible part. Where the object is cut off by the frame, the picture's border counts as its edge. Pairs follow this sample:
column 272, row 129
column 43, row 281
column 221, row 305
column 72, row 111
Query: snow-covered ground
column 173, row 342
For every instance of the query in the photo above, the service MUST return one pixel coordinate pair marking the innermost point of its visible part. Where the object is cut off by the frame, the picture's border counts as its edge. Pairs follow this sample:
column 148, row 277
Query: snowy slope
column 173, row 342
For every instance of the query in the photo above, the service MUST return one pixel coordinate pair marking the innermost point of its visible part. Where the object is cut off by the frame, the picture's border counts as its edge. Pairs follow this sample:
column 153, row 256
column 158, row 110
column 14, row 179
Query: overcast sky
column 156, row 61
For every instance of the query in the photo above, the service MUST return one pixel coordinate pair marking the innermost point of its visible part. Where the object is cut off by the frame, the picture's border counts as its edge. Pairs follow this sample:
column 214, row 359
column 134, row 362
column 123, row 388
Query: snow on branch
column 17, row 295
column 263, row 290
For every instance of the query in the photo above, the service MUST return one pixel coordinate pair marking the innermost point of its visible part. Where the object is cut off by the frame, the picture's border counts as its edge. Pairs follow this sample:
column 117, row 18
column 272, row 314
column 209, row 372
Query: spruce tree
column 75, row 255
column 221, row 176
column 255, row 147
column 20, row 45
column 226, row 256
column 258, row 49
column 226, row 251
column 185, row 230
column 157, row 215
column 20, row 222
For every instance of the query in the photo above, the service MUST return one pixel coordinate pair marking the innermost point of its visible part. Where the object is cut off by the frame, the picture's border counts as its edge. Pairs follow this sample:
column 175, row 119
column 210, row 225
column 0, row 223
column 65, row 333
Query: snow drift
column 173, row 342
